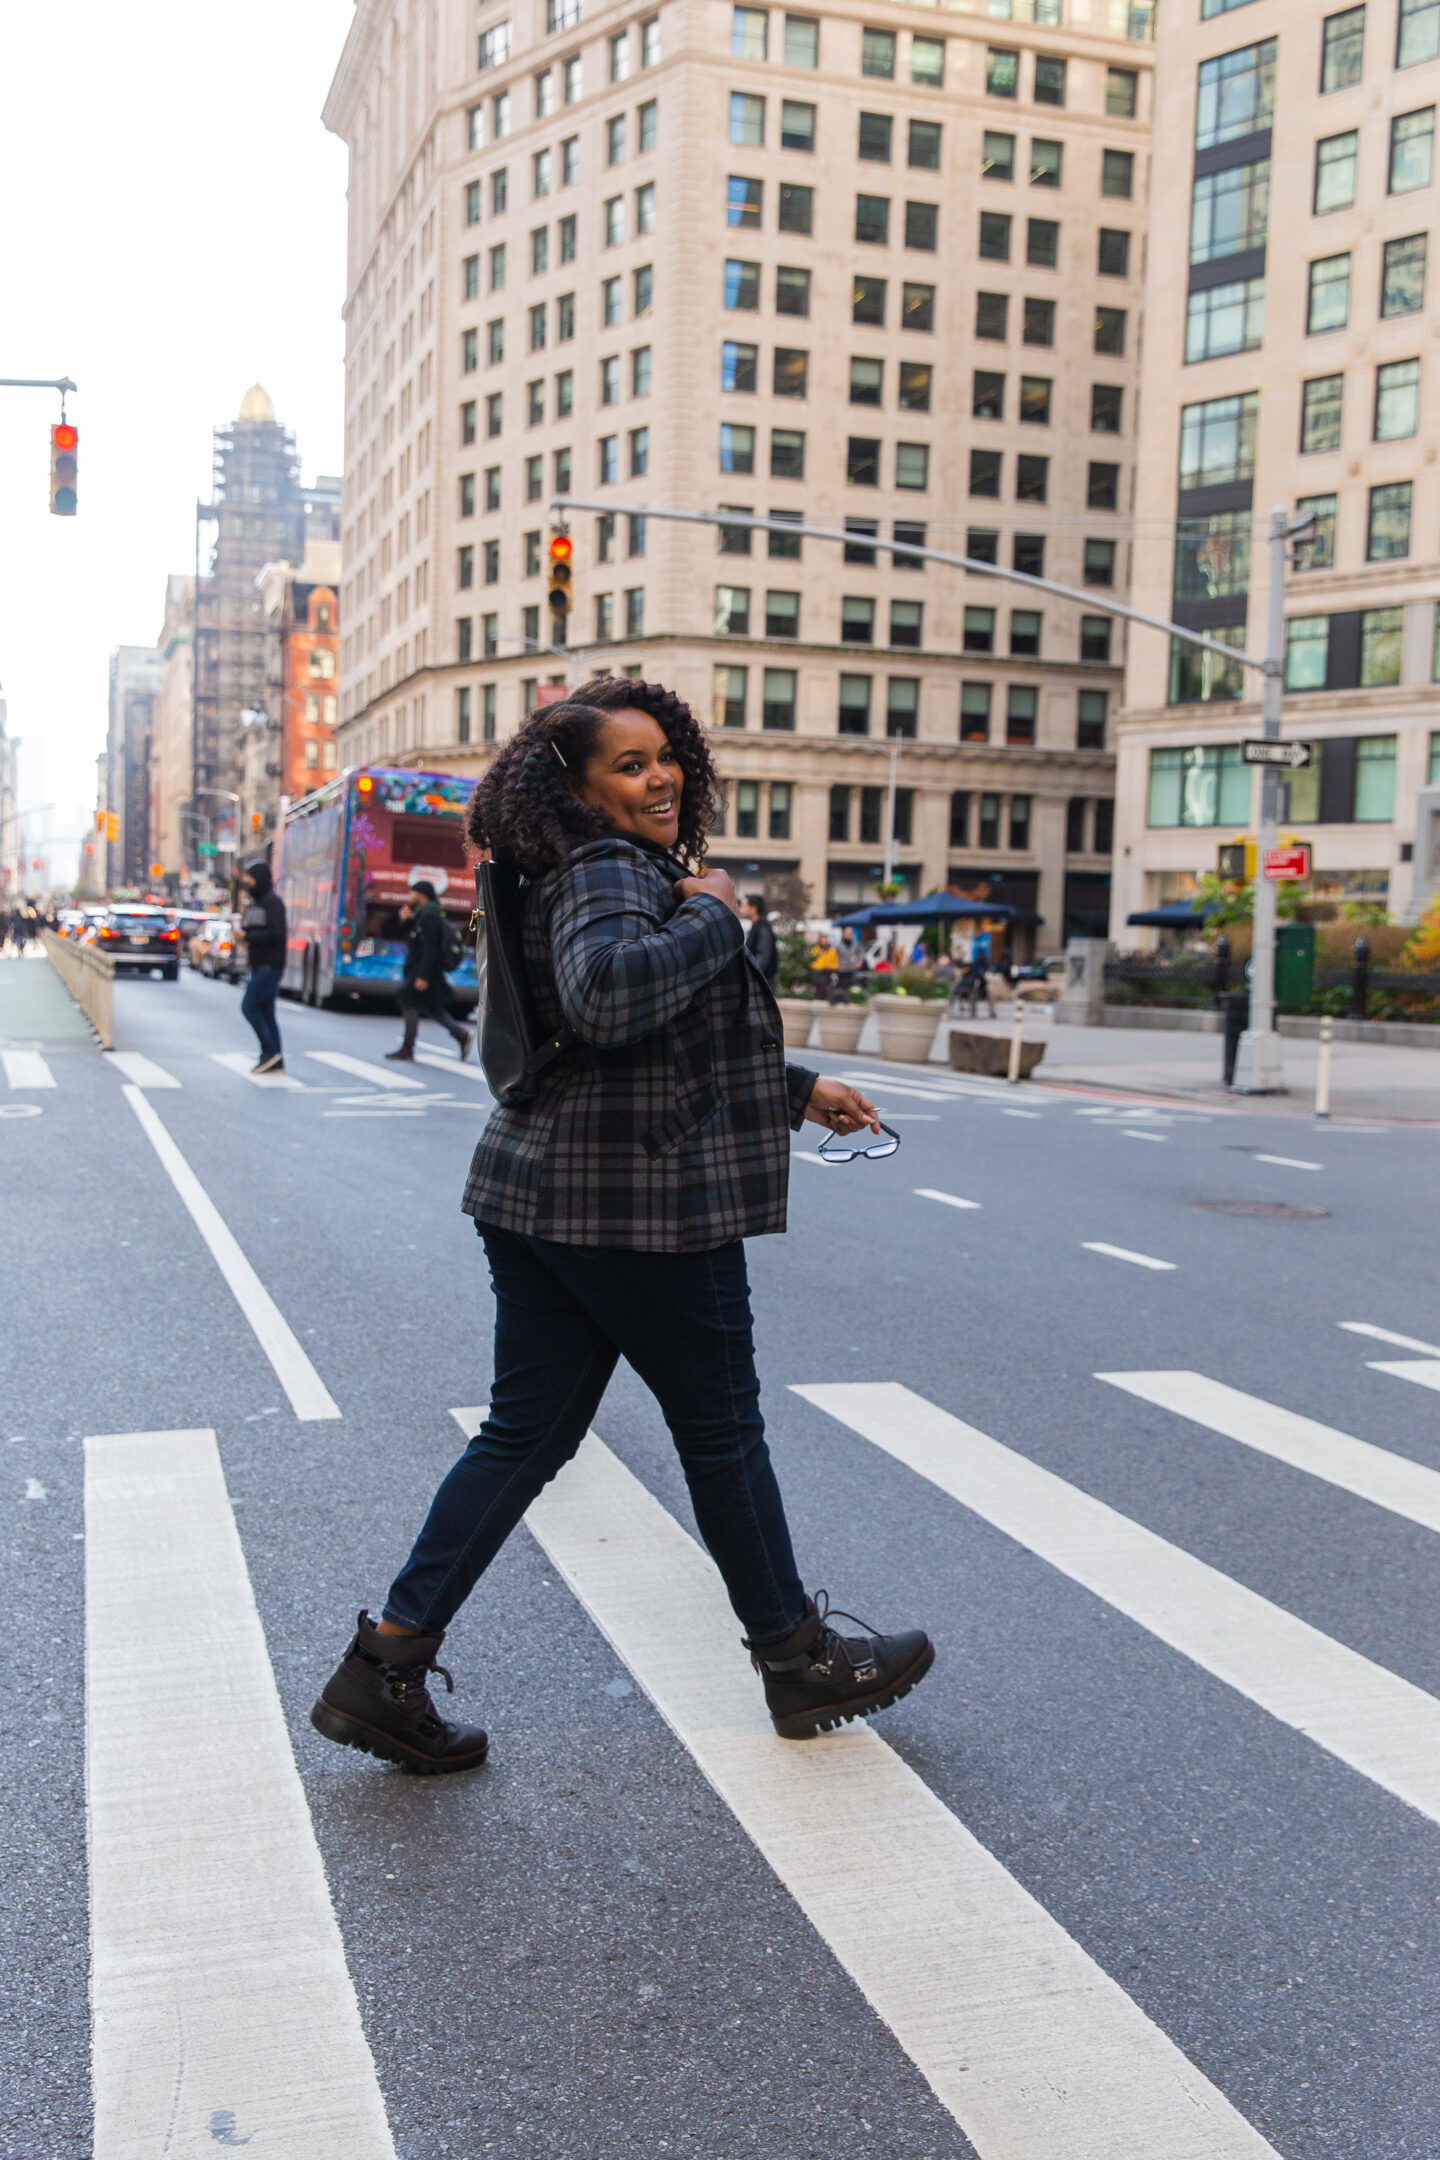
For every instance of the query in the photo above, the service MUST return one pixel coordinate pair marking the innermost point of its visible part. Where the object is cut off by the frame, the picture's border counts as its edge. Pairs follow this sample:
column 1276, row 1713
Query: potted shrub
column 798, row 1014
column 840, row 1025
column 908, row 1015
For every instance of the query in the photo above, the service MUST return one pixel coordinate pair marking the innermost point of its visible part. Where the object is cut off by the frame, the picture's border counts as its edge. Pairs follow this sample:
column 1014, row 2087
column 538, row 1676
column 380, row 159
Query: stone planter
column 840, row 1026
column 973, row 1052
column 907, row 1026
column 798, row 1015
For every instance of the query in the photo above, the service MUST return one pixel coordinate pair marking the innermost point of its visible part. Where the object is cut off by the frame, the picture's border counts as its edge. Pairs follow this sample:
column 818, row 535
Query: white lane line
column 384, row 1076
column 220, row 1992
column 309, row 1396
column 1128, row 1132
column 1367, row 1717
column 1383, row 1334
column 240, row 1061
column 438, row 1059
column 26, row 1069
column 1021, row 1113
column 1290, row 1162
column 1119, row 1252
column 141, row 1072
column 1371, row 1473
column 947, row 1199
column 1425, row 1372
column 1033, row 2048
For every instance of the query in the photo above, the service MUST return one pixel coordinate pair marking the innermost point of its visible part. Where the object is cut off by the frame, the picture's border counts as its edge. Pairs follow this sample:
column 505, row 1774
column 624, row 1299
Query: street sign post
column 1282, row 863
column 1294, row 756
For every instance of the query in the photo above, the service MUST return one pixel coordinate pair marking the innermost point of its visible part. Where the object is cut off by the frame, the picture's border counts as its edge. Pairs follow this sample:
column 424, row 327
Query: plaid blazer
column 665, row 1127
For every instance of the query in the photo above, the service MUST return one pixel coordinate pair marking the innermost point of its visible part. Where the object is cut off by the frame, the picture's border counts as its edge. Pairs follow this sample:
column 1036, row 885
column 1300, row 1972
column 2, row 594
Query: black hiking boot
column 817, row 1679
column 376, row 1700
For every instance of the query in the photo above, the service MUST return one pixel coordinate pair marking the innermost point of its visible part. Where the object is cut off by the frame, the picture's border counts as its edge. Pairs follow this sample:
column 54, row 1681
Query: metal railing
column 89, row 976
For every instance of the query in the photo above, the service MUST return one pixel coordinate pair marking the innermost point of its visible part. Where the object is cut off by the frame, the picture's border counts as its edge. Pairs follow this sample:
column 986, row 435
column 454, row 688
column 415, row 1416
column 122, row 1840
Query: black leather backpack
column 513, row 1050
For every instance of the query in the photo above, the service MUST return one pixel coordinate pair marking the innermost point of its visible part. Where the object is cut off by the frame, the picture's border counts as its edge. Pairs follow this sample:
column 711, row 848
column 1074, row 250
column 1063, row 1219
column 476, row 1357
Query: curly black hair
column 525, row 806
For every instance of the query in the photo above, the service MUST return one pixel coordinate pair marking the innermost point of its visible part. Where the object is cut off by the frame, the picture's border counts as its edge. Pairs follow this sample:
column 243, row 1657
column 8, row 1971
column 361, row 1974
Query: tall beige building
column 1288, row 322
column 173, row 824
column 874, row 268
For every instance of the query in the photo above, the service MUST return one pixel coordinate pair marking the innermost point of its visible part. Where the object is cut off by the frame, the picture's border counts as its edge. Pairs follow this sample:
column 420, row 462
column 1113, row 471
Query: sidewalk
column 37, row 1012
column 1366, row 1081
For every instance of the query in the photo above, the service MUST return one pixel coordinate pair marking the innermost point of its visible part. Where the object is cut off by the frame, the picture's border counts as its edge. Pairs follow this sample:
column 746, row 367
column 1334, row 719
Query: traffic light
column 562, row 547
column 64, row 468
column 99, row 821
column 112, row 825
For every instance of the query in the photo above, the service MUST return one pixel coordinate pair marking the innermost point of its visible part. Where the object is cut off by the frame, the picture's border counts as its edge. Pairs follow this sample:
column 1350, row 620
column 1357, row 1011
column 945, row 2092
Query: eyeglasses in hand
column 874, row 1151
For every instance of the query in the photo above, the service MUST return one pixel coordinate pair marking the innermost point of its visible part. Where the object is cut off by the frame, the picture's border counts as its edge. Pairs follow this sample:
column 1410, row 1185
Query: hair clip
column 556, row 748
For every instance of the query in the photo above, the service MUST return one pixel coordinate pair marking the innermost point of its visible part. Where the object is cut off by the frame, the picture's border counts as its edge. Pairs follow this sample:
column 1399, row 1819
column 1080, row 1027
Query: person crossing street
column 423, row 986
column 264, row 927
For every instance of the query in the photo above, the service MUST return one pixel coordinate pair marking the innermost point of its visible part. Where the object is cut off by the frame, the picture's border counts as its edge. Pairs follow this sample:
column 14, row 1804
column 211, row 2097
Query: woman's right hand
column 713, row 881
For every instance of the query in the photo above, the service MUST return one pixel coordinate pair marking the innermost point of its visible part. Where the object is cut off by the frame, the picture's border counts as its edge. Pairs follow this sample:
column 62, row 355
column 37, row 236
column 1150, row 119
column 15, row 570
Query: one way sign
column 1295, row 755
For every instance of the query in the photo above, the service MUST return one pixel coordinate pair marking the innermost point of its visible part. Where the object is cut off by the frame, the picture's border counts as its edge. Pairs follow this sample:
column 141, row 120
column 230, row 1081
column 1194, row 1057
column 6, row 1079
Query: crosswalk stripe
column 1123, row 1252
column 438, row 1059
column 1371, row 1719
column 220, row 1992
column 949, row 1199
column 141, row 1072
column 26, row 1069
column 240, row 1061
column 1425, row 1372
column 1381, row 1334
column 309, row 1397
column 1371, row 1473
column 383, row 1076
column 1032, row 2047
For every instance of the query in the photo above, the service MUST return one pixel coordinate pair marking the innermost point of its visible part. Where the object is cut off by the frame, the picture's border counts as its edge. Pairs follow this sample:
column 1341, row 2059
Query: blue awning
column 1178, row 915
column 934, row 907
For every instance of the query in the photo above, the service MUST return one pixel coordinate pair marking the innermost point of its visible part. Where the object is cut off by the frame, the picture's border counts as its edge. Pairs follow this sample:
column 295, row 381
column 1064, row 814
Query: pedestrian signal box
column 64, row 468
column 1236, row 861
column 562, row 548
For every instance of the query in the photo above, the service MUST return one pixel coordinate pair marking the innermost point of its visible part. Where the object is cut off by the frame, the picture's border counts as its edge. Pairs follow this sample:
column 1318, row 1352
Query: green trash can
column 1294, row 966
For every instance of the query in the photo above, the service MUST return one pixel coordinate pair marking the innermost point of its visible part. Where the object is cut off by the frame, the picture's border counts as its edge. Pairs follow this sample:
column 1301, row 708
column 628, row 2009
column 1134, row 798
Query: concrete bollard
column 1017, row 1036
column 1322, row 1070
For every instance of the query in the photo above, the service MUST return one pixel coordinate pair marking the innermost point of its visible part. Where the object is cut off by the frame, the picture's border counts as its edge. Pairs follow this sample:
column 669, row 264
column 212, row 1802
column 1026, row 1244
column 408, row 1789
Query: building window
column 992, row 313
column 978, row 633
column 467, row 422
column 787, row 454
column 635, row 612
column 797, row 208
column 494, row 343
column 463, row 632
column 872, row 220
column 927, row 61
column 742, row 285
column 490, row 638
column 782, row 614
column 1099, row 566
column 729, row 699
column 737, row 448
column 906, row 623
column 917, row 307
column 877, row 54
column 1102, row 487
column 1113, row 254
column 535, row 404
column 1022, row 704
column 1002, row 72
column 1090, row 716
column 492, row 562
column 1412, row 150
column 1045, row 161
column 1025, row 634
column 1106, row 402
column 1110, row 330
column 1237, row 95
column 608, row 460
column 1042, row 243
column 780, row 790
column 997, row 156
column 916, row 378
column 1121, row 91
column 1217, row 441
column 854, row 709
column 797, row 126
column 1027, row 554
column 537, row 327
column 615, row 135
column 530, row 628
column 564, row 394
column 639, row 452
column 987, row 395
column 975, row 713
column 1380, row 647
column 1341, row 50
column 462, row 715
column 1095, row 638
column 732, row 611
column 784, row 547
column 1117, row 173
column 471, row 276
column 561, row 15
column 777, row 708
column 1317, row 553
column 924, row 145
column 749, row 33
column 1388, row 527
column 876, row 130
column 985, row 472
column 1402, row 285
column 1328, row 303
column 465, row 568
column 902, row 708
column 562, row 473
column 852, row 552
column 499, row 192
column 735, row 539
column 839, row 828
column 1336, row 162
column 570, row 161
column 494, row 47
column 867, row 379
column 1035, row 400
column 1203, row 786
column 862, row 461
column 988, row 824
column 1212, row 556
column 912, row 466
column 467, row 495
column 1419, row 32
column 474, row 132
column 1397, row 400
column 645, row 209
column 1020, row 823
column 1225, row 319
column 1049, row 80
column 994, row 243
column 1230, row 211
column 922, row 227
column 565, row 316
column 801, row 46
column 857, row 621
column 791, row 290
column 789, row 372
column 1032, row 479
column 982, row 545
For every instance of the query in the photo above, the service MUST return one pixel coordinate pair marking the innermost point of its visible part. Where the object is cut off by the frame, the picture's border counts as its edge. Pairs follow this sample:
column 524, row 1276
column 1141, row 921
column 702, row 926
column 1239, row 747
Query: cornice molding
column 352, row 72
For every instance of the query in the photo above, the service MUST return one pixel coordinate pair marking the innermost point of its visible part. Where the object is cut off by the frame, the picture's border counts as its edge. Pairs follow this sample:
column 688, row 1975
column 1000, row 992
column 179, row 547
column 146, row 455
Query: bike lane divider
column 309, row 1397
column 384, row 1076
column 1366, row 1716
column 1372, row 1473
column 141, row 1072
column 1032, row 2047
column 223, row 2008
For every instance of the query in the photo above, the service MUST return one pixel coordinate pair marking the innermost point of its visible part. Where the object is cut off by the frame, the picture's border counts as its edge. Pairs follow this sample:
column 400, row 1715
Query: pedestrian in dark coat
column 263, row 924
column 422, row 983
column 759, row 937
column 613, row 1204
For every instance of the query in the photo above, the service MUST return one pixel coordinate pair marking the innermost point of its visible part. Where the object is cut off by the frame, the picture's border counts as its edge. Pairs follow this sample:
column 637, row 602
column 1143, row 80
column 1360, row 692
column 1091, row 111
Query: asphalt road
column 585, row 1951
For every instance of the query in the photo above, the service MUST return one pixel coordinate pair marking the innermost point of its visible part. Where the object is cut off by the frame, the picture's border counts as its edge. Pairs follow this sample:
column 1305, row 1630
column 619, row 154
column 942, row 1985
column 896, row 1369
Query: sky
column 173, row 230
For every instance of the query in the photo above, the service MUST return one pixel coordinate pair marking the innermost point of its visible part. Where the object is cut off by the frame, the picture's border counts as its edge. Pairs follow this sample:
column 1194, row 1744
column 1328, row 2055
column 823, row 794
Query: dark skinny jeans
column 258, row 1006
column 564, row 1316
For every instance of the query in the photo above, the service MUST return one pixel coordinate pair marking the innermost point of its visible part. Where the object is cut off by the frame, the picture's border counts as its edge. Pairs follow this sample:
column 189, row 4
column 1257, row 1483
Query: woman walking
column 613, row 1206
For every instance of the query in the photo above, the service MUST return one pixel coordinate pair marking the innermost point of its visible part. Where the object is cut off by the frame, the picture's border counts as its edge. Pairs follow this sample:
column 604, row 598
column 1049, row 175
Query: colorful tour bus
column 345, row 860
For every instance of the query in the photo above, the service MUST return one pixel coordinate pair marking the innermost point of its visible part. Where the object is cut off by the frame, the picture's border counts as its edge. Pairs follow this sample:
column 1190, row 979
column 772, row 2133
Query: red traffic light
column 562, row 547
column 64, row 437
column 64, row 467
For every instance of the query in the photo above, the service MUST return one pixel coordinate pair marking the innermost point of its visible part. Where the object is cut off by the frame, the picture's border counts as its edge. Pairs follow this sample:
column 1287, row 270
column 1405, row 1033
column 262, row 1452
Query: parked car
column 138, row 936
column 221, row 950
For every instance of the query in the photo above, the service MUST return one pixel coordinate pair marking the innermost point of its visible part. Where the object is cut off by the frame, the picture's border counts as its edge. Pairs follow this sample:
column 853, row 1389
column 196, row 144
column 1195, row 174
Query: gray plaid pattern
column 665, row 1128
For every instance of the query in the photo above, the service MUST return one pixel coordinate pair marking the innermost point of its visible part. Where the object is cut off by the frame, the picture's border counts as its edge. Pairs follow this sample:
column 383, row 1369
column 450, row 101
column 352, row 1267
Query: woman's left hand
column 843, row 1109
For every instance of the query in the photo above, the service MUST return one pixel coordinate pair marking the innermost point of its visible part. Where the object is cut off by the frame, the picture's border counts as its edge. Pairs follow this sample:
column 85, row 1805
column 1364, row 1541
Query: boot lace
column 831, row 1647
column 408, row 1690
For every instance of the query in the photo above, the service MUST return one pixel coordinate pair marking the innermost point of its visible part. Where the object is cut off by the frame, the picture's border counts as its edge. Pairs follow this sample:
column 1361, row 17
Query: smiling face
column 634, row 776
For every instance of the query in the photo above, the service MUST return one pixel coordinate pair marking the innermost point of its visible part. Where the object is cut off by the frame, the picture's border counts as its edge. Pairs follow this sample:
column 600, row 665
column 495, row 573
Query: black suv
column 136, row 936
